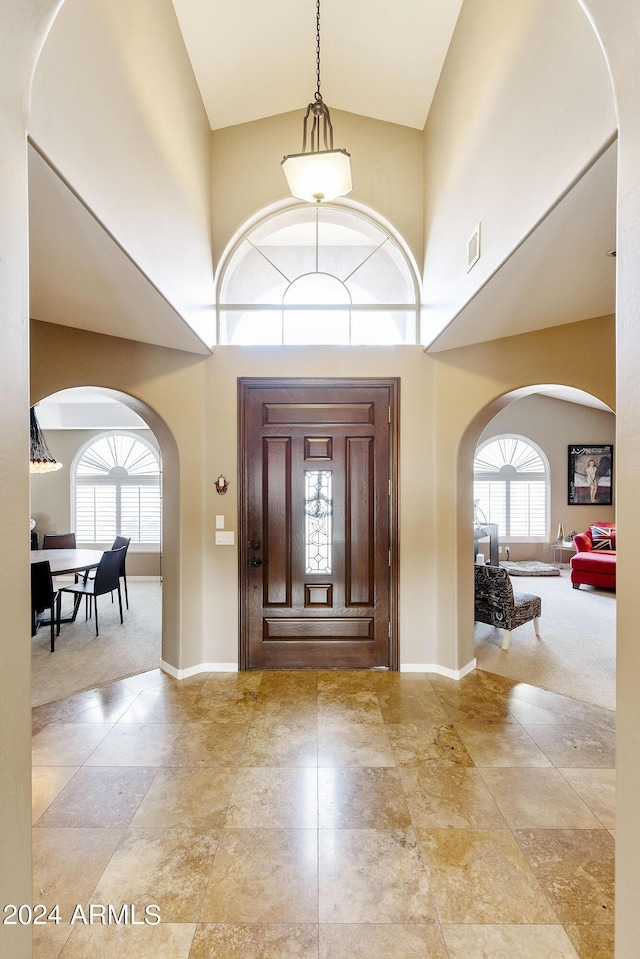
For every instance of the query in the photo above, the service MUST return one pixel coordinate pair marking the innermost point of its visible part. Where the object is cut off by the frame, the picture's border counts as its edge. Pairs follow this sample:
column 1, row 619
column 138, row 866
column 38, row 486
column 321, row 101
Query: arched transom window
column 318, row 275
column 511, row 482
column 116, row 490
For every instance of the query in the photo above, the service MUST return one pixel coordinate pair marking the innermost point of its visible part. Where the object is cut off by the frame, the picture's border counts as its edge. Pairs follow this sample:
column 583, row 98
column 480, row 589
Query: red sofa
column 594, row 563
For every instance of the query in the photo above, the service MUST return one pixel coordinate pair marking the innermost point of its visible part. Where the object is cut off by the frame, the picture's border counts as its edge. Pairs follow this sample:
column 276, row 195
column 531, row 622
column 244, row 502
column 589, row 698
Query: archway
column 618, row 29
column 169, row 653
column 576, row 656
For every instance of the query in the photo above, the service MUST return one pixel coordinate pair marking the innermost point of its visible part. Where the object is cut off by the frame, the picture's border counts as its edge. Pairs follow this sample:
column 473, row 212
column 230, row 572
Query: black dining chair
column 118, row 543
column 43, row 597
column 107, row 579
column 59, row 541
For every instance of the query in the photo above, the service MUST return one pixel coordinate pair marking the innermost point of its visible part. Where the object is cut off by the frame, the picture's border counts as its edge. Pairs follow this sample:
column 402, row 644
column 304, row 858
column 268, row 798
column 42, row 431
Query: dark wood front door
column 317, row 526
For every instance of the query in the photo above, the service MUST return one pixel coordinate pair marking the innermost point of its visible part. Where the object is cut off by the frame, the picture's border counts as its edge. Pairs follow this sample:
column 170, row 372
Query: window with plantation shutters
column 511, row 482
column 117, row 490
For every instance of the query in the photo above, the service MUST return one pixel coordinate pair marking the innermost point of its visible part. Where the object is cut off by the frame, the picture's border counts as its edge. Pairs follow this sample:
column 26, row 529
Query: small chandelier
column 40, row 458
column 319, row 174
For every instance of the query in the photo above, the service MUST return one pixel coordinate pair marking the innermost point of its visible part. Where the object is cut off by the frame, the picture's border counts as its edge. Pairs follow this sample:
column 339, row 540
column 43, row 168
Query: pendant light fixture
column 319, row 174
column 40, row 459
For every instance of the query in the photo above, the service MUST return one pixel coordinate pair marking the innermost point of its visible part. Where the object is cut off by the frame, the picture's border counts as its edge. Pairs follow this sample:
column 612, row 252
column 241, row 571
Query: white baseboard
column 233, row 668
column 440, row 670
column 200, row 668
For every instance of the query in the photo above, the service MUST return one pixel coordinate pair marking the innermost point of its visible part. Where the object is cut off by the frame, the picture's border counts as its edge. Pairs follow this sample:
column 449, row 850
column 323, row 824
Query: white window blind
column 140, row 510
column 493, row 502
column 117, row 490
column 95, row 514
column 527, row 512
column 511, row 483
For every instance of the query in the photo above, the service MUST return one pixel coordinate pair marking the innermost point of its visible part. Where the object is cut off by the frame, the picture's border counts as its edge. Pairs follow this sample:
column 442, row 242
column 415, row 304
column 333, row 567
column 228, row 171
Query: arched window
column 116, row 490
column 317, row 275
column 511, row 482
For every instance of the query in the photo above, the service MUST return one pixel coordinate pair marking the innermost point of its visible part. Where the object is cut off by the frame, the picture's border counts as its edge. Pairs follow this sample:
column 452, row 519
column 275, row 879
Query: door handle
column 255, row 561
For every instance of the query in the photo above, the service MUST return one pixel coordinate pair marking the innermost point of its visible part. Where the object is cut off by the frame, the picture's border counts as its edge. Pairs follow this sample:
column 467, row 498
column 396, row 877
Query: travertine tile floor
column 324, row 815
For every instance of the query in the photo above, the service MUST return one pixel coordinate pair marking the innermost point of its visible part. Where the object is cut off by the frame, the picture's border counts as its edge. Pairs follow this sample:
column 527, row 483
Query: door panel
column 276, row 512
column 360, row 521
column 318, row 520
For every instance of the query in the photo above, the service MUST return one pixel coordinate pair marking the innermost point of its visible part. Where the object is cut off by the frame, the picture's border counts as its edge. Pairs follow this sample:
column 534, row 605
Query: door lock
column 255, row 544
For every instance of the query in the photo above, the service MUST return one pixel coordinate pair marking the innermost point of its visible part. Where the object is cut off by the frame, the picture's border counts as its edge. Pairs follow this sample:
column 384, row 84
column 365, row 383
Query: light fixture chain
column 320, row 174
column 318, row 94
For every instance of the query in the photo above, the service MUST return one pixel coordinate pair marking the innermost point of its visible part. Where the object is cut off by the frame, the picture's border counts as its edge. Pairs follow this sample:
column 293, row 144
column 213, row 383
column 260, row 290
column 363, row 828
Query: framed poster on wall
column 590, row 475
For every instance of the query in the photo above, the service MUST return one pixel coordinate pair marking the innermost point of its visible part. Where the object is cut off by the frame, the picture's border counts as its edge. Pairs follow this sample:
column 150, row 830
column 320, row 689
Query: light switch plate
column 219, row 522
column 226, row 538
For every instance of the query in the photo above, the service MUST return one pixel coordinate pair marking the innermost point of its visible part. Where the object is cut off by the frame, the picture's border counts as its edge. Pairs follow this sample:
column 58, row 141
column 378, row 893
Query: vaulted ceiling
column 253, row 60
column 258, row 59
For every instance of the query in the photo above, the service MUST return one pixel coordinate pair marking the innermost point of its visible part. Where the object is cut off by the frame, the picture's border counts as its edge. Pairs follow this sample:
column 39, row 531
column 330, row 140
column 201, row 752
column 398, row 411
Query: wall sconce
column 222, row 484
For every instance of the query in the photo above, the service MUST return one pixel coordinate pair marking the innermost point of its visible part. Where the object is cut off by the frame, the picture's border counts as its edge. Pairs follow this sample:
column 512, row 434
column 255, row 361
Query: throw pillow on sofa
column 603, row 537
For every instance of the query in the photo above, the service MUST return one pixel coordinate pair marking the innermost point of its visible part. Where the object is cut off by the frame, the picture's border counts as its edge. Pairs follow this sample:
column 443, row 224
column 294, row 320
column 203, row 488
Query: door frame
column 246, row 383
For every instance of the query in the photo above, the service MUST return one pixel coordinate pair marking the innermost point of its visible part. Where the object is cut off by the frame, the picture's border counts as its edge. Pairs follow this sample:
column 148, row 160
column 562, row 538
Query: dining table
column 66, row 561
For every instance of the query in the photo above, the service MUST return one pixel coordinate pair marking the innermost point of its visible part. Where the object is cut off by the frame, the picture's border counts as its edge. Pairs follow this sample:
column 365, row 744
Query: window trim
column 390, row 235
column 545, row 475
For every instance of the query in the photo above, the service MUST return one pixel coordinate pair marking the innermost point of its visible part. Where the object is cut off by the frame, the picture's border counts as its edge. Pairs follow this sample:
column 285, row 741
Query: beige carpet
column 576, row 655
column 82, row 661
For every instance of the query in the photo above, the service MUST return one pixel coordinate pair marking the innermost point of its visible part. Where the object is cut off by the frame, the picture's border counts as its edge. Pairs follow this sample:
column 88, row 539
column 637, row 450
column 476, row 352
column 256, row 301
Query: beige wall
column 416, row 511
column 531, row 73
column 554, row 424
column 472, row 384
column 51, row 505
column 114, row 84
column 386, row 168
column 618, row 27
column 440, row 399
column 25, row 22
column 165, row 387
column 195, row 400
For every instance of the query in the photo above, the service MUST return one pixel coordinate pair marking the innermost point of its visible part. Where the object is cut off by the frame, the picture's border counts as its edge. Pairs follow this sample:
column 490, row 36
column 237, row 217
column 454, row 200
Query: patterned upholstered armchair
column 498, row 605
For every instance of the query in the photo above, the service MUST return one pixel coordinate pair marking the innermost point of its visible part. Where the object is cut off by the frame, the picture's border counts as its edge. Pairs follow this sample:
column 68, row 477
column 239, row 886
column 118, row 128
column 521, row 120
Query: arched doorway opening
column 576, row 655
column 105, row 410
